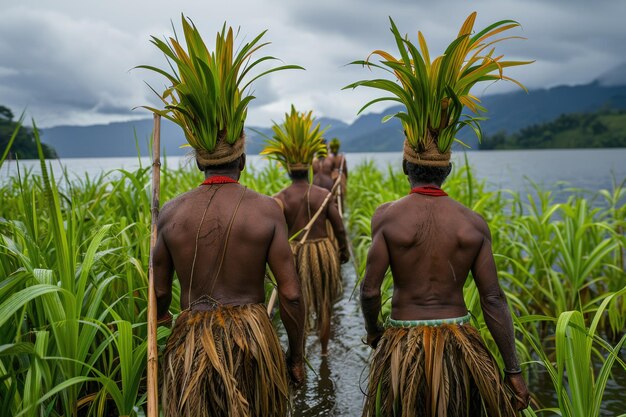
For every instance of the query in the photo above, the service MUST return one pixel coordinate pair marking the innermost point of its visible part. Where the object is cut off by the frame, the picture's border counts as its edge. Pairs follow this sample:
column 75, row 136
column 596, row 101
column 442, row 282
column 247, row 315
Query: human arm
column 332, row 213
column 375, row 269
column 497, row 316
column 163, row 270
column 281, row 263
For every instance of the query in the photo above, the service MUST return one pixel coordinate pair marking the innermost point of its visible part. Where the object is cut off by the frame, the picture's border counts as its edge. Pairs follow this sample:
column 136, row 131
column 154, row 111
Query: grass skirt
column 224, row 362
column 320, row 278
column 428, row 371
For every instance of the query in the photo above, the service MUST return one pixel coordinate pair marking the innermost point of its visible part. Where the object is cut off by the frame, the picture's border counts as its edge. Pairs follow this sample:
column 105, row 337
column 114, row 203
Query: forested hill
column 603, row 129
column 508, row 112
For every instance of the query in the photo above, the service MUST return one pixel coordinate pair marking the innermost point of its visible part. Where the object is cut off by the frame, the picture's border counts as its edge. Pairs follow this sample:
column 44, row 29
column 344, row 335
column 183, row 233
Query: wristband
column 515, row 371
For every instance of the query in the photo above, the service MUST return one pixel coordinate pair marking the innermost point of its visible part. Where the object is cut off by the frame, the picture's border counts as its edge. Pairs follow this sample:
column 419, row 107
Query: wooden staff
column 153, row 359
column 306, row 230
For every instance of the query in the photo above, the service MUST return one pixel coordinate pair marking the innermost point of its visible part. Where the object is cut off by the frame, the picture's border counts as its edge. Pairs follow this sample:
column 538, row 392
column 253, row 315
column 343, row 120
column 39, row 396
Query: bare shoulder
column 476, row 220
column 265, row 206
column 319, row 191
column 172, row 207
column 381, row 214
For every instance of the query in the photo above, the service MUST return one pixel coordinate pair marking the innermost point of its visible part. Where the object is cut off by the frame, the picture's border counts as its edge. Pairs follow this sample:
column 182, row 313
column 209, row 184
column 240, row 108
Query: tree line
column 24, row 146
column 602, row 129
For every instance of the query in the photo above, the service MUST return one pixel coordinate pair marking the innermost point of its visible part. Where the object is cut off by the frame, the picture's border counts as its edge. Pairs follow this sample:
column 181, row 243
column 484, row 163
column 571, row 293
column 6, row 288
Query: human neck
column 300, row 181
column 423, row 184
column 231, row 173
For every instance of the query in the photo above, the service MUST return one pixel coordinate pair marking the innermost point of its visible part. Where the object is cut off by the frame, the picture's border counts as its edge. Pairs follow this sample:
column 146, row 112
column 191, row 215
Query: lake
column 555, row 169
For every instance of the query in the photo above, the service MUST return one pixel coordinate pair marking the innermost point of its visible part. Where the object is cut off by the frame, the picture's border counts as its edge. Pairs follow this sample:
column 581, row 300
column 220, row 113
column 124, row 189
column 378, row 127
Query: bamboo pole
column 153, row 360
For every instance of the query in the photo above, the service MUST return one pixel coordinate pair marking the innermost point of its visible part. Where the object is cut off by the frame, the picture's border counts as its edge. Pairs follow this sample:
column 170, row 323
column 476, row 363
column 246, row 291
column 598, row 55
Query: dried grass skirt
column 319, row 270
column 435, row 371
column 226, row 362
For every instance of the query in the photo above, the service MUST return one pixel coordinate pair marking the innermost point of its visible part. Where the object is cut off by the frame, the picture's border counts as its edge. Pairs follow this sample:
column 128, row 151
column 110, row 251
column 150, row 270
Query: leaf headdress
column 435, row 92
column 295, row 141
column 208, row 95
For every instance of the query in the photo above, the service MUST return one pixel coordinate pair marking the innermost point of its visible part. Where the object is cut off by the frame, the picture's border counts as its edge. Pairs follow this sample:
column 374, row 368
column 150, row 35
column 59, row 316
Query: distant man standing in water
column 322, row 169
column 340, row 168
column 294, row 143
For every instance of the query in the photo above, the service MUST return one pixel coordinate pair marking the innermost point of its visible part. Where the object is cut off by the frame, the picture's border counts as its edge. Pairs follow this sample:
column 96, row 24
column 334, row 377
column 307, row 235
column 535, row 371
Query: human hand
column 516, row 383
column 374, row 337
column 344, row 257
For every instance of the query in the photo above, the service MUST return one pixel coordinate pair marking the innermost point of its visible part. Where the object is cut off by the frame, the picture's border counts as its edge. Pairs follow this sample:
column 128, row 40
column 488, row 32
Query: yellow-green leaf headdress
column 435, row 92
column 295, row 141
column 207, row 97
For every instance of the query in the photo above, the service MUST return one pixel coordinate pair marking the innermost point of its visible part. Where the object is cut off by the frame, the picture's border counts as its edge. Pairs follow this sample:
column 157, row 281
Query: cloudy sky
column 68, row 62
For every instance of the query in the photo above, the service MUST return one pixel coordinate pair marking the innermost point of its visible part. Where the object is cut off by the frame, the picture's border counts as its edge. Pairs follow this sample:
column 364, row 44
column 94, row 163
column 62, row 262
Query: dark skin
column 339, row 161
column 297, row 213
column 322, row 170
column 431, row 245
column 258, row 236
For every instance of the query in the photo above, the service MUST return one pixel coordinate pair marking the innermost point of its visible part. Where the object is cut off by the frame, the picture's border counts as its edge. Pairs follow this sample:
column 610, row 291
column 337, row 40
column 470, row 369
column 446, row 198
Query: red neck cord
column 429, row 190
column 219, row 179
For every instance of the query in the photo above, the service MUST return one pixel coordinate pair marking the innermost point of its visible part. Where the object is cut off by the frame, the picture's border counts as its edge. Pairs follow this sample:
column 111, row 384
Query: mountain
column 508, row 113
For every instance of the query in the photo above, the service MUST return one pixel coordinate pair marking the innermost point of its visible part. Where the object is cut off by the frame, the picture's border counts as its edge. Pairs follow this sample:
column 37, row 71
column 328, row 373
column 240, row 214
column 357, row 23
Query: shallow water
column 332, row 385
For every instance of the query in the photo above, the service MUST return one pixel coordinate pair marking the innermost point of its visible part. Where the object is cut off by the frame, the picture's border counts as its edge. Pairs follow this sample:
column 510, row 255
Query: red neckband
column 429, row 190
column 219, row 179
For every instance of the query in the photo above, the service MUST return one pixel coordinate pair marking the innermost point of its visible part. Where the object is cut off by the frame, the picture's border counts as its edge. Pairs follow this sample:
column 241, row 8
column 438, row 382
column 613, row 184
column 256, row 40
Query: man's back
column 301, row 201
column 432, row 244
column 249, row 239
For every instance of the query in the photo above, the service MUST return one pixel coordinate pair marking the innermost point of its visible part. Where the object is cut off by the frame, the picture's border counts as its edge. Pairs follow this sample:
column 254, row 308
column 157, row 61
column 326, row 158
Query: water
column 333, row 386
column 555, row 169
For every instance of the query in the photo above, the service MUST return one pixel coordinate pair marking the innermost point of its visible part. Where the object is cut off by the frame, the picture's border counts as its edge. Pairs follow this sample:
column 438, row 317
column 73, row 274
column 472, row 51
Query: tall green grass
column 74, row 255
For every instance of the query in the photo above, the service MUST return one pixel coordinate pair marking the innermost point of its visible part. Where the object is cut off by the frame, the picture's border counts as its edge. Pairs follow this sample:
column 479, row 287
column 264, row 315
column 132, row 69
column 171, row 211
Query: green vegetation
column 21, row 138
column 74, row 256
column 603, row 129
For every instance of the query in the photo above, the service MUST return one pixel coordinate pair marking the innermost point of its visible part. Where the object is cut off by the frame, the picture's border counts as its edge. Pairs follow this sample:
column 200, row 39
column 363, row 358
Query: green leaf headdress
column 435, row 92
column 295, row 141
column 334, row 145
column 207, row 96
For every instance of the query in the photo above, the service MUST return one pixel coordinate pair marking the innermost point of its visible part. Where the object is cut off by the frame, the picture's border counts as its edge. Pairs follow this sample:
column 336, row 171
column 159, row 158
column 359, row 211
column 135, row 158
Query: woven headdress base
column 222, row 154
column 298, row 167
column 429, row 157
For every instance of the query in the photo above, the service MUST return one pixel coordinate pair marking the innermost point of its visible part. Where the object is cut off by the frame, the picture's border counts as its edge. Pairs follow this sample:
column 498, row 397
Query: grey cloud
column 70, row 65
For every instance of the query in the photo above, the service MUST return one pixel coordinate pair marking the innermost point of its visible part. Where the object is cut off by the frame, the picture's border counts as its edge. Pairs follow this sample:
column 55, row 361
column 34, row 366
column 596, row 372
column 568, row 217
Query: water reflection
column 318, row 396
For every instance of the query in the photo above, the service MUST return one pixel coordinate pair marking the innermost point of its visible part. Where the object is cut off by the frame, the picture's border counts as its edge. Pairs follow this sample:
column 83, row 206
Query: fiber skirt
column 225, row 362
column 320, row 278
column 435, row 371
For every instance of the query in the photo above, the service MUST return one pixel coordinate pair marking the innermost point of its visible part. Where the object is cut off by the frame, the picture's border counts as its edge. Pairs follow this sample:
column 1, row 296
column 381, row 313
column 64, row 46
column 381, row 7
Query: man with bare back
column 322, row 170
column 307, row 209
column 317, row 259
column 428, row 357
column 223, row 357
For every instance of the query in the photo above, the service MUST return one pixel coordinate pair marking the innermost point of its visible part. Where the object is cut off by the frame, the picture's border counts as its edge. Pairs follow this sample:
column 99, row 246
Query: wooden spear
column 153, row 360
